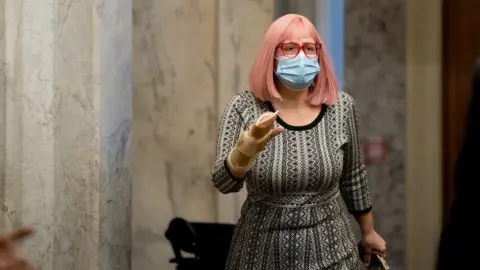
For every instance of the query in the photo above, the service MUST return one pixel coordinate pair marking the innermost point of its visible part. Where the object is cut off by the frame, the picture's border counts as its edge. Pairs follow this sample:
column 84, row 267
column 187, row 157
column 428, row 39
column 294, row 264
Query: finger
column 277, row 131
column 381, row 253
column 265, row 139
column 267, row 119
column 20, row 233
column 22, row 263
column 262, row 142
column 381, row 249
column 262, row 126
column 367, row 256
column 258, row 132
column 4, row 240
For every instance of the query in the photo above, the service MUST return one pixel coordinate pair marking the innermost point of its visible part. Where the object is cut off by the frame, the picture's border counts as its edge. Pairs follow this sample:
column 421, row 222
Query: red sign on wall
column 375, row 150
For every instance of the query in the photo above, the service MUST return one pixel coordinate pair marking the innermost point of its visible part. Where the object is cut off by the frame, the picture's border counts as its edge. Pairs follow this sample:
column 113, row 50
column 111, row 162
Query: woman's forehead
column 300, row 40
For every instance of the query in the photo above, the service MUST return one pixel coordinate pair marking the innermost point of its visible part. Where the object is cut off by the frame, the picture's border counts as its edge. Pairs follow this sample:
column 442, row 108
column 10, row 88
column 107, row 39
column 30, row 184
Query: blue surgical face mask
column 297, row 73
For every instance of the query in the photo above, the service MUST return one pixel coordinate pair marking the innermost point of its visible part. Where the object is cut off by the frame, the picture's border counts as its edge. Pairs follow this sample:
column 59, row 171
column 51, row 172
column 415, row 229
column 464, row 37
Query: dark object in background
column 458, row 247
column 376, row 261
column 208, row 243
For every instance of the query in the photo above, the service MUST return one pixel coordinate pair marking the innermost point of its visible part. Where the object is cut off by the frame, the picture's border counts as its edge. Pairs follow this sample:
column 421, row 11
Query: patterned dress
column 294, row 216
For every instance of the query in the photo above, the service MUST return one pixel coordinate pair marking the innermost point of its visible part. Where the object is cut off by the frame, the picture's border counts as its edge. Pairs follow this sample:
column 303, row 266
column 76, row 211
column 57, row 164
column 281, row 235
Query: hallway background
column 185, row 75
column 109, row 113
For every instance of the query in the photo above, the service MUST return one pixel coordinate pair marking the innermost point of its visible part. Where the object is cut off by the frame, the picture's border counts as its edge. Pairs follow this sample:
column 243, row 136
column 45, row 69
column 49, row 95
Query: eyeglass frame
column 318, row 47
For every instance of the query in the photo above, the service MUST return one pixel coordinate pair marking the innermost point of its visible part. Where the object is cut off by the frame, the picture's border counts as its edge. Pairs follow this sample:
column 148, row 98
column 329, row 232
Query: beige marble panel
column 115, row 57
column 2, row 109
column 66, row 131
column 241, row 28
column 30, row 124
column 77, row 112
column 175, row 122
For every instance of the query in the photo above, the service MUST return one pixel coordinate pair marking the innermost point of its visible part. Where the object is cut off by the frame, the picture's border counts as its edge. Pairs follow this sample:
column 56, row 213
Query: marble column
column 65, row 130
column 2, row 107
column 183, row 77
column 374, row 76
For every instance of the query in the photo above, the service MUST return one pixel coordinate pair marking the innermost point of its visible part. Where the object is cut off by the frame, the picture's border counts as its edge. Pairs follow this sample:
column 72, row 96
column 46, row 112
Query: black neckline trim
column 299, row 128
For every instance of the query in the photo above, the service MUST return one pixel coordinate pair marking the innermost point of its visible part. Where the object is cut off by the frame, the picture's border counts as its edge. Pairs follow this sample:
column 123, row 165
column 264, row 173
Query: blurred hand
column 373, row 243
column 10, row 256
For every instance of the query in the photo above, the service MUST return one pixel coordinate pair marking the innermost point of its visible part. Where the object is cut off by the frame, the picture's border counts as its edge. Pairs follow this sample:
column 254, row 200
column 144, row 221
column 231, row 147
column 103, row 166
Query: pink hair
column 262, row 84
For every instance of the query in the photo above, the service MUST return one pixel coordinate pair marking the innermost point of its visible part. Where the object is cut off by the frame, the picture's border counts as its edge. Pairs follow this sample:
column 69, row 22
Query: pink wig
column 262, row 84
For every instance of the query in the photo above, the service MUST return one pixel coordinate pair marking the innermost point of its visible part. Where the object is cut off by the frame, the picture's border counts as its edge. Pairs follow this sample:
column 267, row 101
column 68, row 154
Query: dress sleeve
column 353, row 183
column 231, row 125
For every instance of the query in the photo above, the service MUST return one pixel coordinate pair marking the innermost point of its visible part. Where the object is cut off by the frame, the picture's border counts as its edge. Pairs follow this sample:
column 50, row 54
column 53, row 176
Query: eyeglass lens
column 292, row 49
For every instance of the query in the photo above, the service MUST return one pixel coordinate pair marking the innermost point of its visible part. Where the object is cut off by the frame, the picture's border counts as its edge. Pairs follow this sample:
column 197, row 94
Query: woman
column 293, row 140
column 454, row 252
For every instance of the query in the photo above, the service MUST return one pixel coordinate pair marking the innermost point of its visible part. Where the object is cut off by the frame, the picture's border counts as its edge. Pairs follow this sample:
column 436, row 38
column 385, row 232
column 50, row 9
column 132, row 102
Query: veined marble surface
column 115, row 58
column 2, row 108
column 174, row 122
column 374, row 76
column 183, row 78
column 67, row 122
column 65, row 119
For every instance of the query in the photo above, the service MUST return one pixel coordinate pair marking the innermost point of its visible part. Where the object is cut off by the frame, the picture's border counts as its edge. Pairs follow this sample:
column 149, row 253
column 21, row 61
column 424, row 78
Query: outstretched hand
column 262, row 130
column 10, row 256
column 252, row 142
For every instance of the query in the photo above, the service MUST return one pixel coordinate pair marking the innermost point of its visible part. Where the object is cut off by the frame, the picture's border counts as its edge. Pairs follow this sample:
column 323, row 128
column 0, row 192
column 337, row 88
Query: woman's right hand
column 10, row 256
column 254, row 140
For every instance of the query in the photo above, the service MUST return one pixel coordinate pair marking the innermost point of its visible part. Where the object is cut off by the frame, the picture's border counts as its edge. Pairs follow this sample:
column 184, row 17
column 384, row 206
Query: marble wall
column 2, row 108
column 183, row 78
column 115, row 37
column 65, row 128
column 66, row 119
column 374, row 76
column 174, row 121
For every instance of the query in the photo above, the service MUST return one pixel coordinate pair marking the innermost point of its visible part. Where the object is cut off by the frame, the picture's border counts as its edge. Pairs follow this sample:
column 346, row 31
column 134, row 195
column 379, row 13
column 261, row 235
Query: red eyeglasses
column 292, row 49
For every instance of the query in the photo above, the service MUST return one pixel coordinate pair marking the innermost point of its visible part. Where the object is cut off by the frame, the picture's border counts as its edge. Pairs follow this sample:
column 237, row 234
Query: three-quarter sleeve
column 353, row 183
column 231, row 126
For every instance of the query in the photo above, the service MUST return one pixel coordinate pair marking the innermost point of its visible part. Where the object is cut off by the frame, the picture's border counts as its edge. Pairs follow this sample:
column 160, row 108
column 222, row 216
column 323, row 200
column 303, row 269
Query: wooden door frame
column 460, row 50
column 423, row 184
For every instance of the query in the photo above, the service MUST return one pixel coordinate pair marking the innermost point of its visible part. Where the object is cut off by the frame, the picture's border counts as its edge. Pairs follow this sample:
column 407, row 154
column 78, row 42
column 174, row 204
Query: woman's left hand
column 373, row 243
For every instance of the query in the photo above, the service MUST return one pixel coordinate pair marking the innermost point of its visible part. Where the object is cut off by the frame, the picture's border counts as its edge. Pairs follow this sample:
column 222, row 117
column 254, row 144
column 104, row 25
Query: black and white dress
column 294, row 217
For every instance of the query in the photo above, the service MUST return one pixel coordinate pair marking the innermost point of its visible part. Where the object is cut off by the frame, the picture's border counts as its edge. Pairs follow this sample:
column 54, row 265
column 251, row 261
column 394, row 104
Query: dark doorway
column 461, row 47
